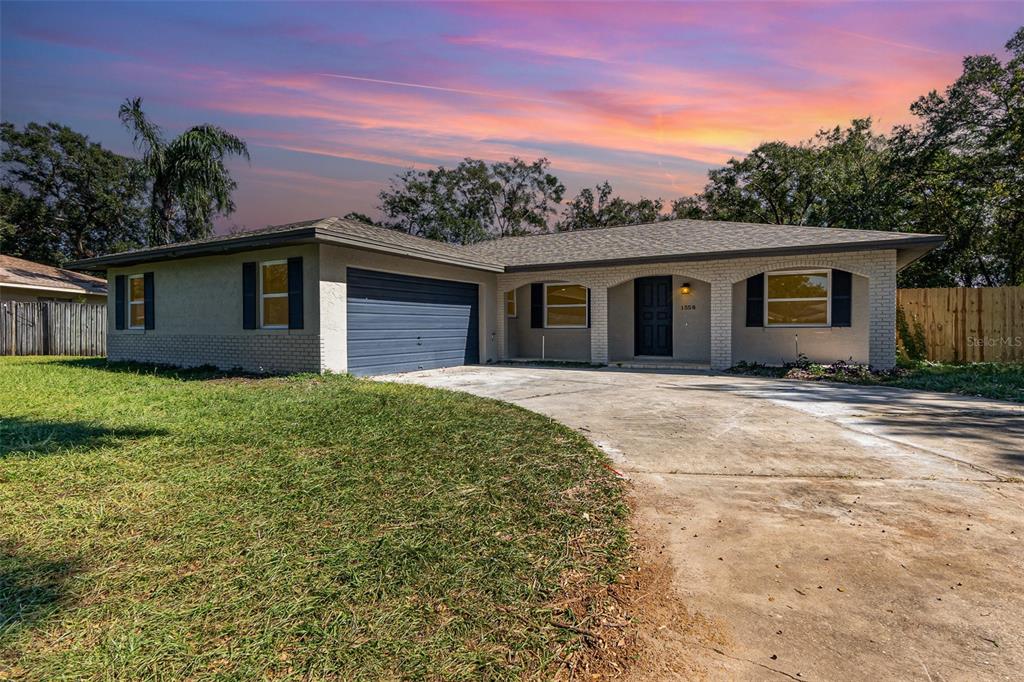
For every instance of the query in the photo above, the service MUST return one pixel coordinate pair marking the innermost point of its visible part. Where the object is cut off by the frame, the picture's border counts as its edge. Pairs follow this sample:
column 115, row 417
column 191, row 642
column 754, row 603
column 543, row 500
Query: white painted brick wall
column 879, row 267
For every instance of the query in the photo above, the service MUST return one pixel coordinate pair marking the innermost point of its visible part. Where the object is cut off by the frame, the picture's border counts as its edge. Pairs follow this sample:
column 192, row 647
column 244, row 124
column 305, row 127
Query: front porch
column 691, row 315
column 659, row 321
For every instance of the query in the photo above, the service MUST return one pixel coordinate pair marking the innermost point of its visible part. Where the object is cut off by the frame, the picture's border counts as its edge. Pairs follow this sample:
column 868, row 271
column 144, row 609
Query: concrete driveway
column 833, row 531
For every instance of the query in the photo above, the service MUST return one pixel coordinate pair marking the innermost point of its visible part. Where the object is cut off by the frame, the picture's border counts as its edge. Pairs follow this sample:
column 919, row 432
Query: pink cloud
column 637, row 92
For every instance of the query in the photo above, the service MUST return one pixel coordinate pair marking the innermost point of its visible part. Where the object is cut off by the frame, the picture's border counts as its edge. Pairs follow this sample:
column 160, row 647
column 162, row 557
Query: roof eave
column 336, row 239
column 926, row 243
column 307, row 235
column 304, row 235
column 81, row 291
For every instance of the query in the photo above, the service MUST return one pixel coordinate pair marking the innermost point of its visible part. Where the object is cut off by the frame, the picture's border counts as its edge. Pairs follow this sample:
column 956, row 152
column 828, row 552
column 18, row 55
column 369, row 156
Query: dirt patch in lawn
column 639, row 628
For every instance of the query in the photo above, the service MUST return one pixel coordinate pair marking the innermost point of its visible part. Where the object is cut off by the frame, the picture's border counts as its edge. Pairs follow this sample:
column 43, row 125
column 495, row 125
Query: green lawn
column 184, row 525
column 1003, row 381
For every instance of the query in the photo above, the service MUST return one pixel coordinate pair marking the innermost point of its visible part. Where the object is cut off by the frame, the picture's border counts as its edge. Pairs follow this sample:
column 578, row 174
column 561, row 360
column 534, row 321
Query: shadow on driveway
column 953, row 421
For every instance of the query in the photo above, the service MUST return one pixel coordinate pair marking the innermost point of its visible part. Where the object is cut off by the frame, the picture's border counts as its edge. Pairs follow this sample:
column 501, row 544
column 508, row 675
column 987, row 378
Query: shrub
column 910, row 339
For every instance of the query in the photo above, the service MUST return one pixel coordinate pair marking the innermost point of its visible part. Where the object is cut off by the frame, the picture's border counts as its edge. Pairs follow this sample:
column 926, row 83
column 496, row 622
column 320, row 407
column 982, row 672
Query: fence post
column 44, row 325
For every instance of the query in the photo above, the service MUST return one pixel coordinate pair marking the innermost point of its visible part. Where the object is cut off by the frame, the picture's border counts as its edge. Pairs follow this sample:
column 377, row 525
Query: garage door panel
column 447, row 346
column 418, row 308
column 385, row 357
column 408, row 289
column 400, row 323
column 370, row 316
column 391, row 365
column 370, row 320
column 406, row 334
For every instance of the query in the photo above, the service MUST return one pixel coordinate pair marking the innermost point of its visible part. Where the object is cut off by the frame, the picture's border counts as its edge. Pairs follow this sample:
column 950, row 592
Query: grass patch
column 1002, row 381
column 161, row 524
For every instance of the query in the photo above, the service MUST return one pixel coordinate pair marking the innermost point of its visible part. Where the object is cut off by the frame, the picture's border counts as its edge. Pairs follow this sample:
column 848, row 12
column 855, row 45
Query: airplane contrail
column 478, row 93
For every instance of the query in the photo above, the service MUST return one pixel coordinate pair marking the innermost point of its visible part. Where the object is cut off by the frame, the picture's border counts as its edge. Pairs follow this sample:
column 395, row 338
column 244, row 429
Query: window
column 565, row 305
column 274, row 294
column 797, row 299
column 136, row 302
column 510, row 304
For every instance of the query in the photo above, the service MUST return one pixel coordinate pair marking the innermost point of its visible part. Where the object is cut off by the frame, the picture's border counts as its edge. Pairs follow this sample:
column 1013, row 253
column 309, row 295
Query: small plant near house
column 1003, row 381
column 841, row 370
column 759, row 369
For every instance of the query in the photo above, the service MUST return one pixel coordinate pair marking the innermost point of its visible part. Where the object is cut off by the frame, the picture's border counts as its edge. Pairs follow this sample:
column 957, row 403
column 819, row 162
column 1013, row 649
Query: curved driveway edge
column 836, row 531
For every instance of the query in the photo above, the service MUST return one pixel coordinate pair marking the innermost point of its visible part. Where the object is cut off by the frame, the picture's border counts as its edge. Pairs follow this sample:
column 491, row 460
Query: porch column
column 599, row 325
column 882, row 314
column 500, row 325
column 721, row 324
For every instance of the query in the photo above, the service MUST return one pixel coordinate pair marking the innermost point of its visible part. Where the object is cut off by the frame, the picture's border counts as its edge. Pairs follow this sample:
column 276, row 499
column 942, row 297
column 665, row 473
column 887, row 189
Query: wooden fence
column 967, row 325
column 51, row 328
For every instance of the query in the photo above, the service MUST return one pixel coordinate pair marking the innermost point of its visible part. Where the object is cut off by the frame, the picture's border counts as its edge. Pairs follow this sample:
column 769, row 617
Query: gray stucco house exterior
column 342, row 296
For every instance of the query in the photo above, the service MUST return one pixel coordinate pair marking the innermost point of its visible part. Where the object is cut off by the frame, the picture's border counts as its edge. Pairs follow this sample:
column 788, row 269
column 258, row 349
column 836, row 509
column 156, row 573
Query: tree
column 858, row 184
column 959, row 172
column 586, row 212
column 473, row 201
column 967, row 156
column 775, row 184
column 448, row 205
column 360, row 217
column 688, row 208
column 526, row 196
column 63, row 197
column 189, row 181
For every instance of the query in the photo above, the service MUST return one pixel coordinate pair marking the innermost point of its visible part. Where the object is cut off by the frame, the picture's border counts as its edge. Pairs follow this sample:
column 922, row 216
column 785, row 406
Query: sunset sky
column 335, row 98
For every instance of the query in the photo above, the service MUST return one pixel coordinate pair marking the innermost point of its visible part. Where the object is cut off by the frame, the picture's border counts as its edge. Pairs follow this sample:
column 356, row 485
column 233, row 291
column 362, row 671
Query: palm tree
column 189, row 183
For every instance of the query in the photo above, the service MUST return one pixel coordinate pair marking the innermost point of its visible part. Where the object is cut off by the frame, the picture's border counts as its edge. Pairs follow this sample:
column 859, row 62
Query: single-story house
column 339, row 295
column 25, row 280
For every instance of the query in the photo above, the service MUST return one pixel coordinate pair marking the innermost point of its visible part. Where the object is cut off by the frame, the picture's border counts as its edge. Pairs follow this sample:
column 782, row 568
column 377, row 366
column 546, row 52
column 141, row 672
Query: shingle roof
column 680, row 239
column 21, row 272
column 353, row 231
column 322, row 230
column 668, row 240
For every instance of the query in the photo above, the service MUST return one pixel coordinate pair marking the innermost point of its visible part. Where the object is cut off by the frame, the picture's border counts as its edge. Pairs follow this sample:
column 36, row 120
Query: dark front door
column 653, row 310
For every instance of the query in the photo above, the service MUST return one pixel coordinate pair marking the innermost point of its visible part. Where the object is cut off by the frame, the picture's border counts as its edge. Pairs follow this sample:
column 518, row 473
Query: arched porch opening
column 774, row 339
column 548, row 319
column 660, row 317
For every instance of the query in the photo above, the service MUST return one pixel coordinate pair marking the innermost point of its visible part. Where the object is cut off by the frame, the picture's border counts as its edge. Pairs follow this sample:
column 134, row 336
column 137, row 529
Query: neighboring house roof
column 673, row 240
column 19, row 273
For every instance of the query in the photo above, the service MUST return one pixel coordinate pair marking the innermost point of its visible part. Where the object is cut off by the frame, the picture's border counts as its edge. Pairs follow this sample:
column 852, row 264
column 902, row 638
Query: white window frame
column 510, row 297
column 827, row 298
column 584, row 305
column 133, row 301
column 263, row 296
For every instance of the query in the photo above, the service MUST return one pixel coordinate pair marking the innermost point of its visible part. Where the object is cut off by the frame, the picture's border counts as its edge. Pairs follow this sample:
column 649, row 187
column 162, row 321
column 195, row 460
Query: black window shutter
column 588, row 308
column 250, row 296
column 150, row 312
column 295, row 292
column 842, row 298
column 755, row 301
column 537, row 305
column 119, row 305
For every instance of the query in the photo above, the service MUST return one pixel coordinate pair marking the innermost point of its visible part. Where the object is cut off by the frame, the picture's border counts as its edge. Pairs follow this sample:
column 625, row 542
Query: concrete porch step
column 658, row 363
column 634, row 363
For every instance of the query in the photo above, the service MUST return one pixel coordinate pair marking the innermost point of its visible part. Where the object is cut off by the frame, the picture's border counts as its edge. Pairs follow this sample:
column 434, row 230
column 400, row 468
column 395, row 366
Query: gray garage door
column 400, row 323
